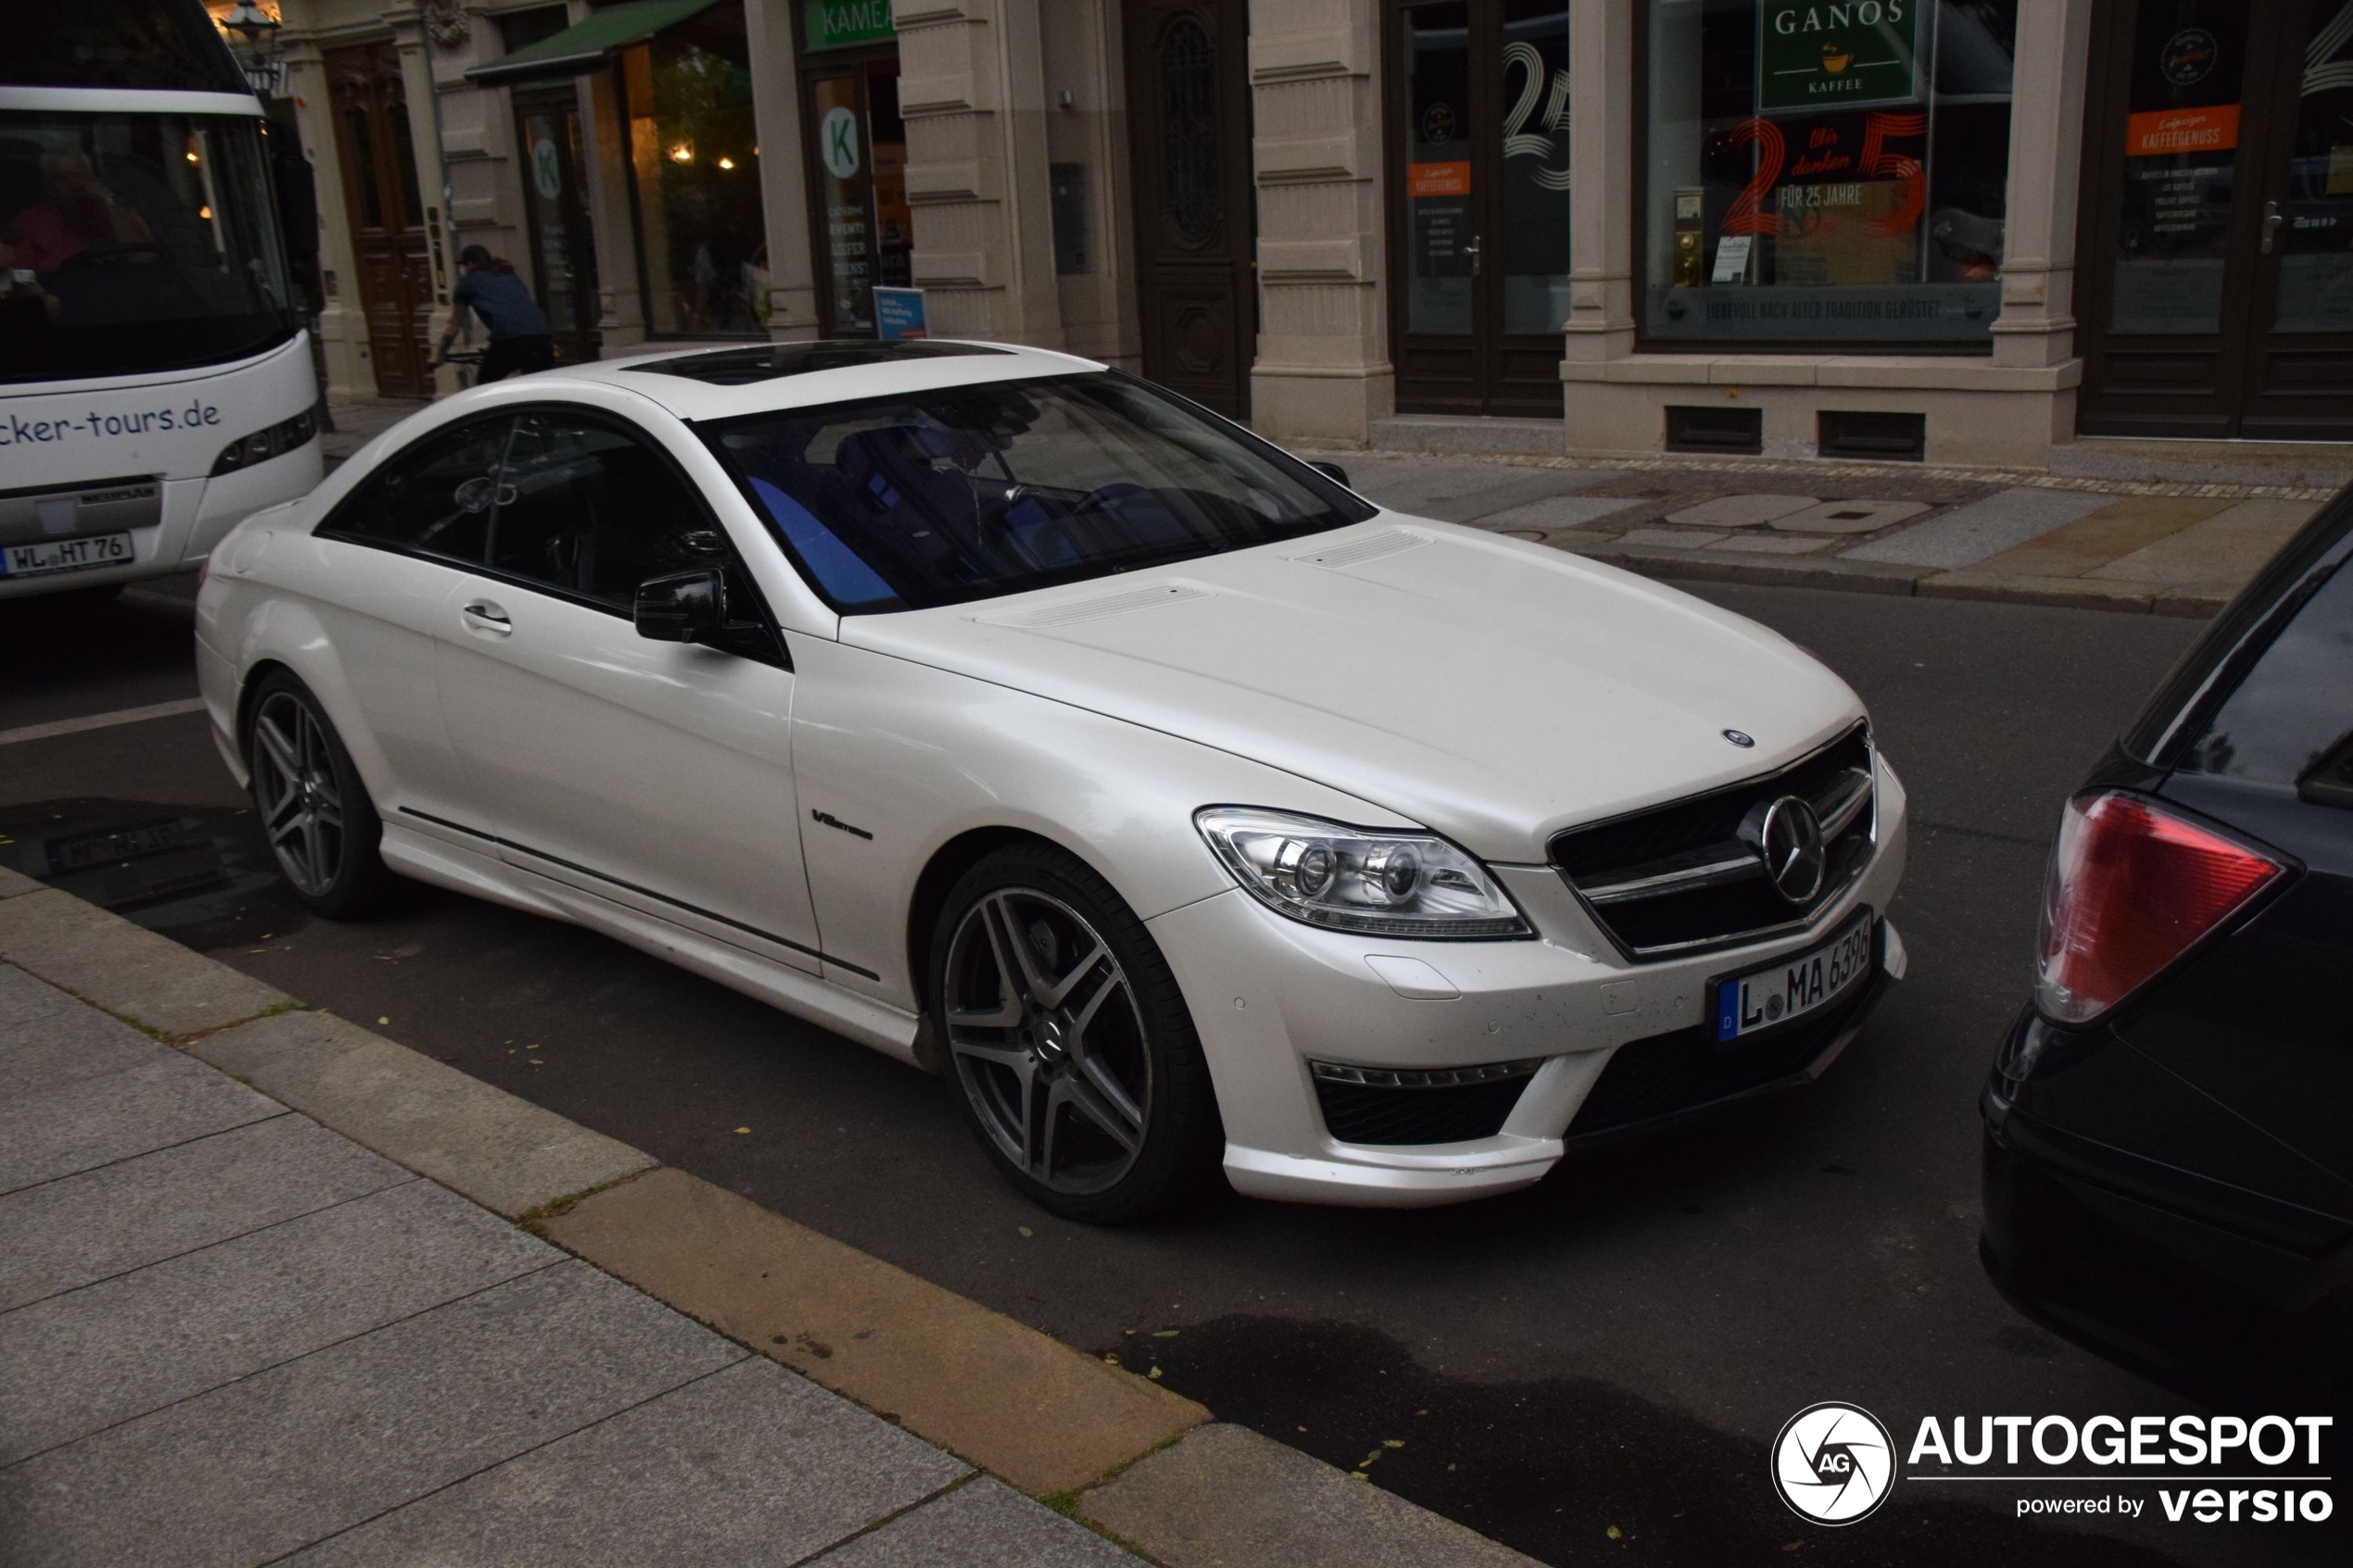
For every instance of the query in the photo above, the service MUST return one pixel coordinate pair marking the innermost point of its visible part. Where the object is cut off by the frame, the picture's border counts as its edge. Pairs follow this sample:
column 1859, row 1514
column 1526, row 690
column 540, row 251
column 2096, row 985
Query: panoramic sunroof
column 740, row 367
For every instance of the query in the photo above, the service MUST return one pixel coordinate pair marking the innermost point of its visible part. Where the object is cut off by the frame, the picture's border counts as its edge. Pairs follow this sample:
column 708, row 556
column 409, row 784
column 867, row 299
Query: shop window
column 1821, row 174
column 694, row 158
column 858, row 173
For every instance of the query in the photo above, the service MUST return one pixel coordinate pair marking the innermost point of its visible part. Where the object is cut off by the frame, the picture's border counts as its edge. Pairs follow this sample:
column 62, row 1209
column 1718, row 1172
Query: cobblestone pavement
column 2173, row 547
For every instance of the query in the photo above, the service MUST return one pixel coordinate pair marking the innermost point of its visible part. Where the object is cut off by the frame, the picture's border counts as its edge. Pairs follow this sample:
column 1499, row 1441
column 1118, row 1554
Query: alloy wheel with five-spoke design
column 1048, row 1041
column 297, row 793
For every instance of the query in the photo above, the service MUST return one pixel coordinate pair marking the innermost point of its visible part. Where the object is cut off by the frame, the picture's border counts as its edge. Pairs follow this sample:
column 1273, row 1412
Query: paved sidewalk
column 359, row 420
column 274, row 1289
column 2145, row 546
column 228, row 1334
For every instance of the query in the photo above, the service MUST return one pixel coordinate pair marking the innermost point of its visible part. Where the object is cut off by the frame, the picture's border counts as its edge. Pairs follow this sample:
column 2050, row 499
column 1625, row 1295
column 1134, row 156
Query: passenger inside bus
column 134, row 241
column 74, row 214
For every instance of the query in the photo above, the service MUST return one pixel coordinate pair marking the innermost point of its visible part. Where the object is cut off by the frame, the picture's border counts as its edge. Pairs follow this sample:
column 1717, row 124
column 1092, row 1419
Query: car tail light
column 2131, row 888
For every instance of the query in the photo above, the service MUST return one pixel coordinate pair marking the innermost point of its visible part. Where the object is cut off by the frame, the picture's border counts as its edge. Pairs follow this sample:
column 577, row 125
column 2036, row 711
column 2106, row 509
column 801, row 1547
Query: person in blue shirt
column 519, row 340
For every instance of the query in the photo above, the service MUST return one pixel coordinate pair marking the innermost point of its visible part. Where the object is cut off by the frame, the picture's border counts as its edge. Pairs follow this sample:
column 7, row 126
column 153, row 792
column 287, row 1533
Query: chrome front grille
column 1689, row 876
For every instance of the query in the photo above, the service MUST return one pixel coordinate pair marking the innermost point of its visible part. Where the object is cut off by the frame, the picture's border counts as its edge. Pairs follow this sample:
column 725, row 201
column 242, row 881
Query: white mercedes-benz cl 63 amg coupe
column 1009, row 715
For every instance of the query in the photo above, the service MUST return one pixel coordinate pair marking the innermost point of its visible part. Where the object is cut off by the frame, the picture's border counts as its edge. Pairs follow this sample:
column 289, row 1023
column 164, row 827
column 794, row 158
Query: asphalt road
column 1588, row 1370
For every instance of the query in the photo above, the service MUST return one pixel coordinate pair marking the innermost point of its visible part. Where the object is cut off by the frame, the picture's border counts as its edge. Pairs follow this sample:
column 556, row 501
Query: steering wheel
column 1106, row 498
column 109, row 255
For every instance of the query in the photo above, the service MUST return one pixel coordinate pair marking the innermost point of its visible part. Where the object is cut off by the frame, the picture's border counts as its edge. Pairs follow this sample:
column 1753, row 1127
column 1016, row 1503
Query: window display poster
column 1848, row 234
column 1440, row 193
column 899, row 314
column 1860, row 54
column 2181, row 141
column 1732, row 257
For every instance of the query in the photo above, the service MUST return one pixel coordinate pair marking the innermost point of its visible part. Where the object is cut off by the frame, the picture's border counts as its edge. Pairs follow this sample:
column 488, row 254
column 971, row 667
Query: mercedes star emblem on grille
column 1788, row 837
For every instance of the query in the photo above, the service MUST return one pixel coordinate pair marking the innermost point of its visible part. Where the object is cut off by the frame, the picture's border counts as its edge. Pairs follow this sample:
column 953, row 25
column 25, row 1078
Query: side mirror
column 685, row 607
column 1333, row 472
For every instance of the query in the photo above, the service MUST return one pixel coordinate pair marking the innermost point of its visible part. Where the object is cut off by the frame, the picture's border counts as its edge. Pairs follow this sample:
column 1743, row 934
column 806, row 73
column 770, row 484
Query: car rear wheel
column 1069, row 1046
column 323, row 829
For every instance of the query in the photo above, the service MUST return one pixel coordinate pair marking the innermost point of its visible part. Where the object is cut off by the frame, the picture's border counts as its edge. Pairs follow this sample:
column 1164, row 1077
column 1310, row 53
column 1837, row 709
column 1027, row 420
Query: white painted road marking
column 103, row 721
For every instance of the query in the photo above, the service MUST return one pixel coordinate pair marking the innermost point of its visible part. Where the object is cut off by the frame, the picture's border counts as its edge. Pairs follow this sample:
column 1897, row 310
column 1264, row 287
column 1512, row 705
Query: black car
column 2169, row 1127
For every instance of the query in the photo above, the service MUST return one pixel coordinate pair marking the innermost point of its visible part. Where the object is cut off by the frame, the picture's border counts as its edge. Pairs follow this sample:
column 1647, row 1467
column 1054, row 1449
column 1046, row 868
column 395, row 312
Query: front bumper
column 196, row 514
column 1271, row 997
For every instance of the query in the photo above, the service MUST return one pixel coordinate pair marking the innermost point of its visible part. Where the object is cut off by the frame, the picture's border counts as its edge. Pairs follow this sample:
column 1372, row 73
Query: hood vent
column 1356, row 552
column 1070, row 612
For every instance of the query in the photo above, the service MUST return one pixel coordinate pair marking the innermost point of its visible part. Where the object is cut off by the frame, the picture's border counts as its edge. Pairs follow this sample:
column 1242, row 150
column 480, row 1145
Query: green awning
column 584, row 46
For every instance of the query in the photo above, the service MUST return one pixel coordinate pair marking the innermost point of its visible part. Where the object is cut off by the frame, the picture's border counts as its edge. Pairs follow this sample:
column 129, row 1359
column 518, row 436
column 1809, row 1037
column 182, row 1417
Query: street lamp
column 256, row 31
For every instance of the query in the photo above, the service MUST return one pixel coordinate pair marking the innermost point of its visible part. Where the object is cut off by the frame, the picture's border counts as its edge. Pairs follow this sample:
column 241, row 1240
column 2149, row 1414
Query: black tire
column 316, row 816
column 1083, row 1062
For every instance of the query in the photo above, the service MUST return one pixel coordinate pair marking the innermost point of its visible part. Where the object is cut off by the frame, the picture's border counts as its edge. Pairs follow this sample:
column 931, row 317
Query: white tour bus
column 155, row 381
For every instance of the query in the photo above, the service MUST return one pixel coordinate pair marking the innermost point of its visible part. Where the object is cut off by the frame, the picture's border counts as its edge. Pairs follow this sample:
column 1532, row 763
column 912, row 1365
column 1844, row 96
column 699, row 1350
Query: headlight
column 264, row 445
column 1346, row 879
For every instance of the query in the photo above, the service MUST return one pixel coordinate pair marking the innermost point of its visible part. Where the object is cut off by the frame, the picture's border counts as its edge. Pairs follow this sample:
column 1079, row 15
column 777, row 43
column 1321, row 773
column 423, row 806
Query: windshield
column 169, row 44
column 942, row 497
column 134, row 241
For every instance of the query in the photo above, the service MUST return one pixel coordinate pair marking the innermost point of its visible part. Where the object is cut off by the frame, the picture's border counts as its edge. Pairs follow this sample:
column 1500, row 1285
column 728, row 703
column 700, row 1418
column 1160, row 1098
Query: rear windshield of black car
column 2183, row 711
column 942, row 497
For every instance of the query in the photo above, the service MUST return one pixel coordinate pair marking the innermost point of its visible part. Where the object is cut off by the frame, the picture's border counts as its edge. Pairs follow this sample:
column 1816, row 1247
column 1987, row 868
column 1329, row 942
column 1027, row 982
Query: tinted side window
column 589, row 508
column 434, row 498
column 2295, row 703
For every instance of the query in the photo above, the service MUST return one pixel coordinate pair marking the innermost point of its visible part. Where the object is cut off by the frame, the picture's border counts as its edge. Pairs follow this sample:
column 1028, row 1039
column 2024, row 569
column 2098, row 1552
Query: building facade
column 1977, row 232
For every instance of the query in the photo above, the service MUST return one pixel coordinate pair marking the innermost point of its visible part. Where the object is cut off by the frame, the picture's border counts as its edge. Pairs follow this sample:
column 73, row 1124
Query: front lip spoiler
column 1705, row 1110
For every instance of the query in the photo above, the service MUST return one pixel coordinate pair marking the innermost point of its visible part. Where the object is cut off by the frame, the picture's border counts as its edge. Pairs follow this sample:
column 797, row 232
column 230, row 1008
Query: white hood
column 1493, row 690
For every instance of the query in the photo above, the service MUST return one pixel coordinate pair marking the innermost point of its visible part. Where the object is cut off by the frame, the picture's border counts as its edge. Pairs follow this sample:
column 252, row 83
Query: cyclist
column 519, row 340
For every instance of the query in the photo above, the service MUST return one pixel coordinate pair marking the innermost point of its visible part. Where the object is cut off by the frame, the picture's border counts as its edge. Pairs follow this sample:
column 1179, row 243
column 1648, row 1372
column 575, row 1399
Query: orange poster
column 1438, row 179
column 2212, row 130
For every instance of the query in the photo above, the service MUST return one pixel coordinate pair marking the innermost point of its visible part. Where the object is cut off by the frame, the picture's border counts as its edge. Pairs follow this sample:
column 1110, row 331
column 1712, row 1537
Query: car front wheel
column 1069, row 1046
column 323, row 829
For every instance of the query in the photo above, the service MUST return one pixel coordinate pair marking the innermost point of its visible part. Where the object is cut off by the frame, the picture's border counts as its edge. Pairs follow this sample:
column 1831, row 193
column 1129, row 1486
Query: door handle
column 484, row 616
column 1472, row 250
column 2272, row 221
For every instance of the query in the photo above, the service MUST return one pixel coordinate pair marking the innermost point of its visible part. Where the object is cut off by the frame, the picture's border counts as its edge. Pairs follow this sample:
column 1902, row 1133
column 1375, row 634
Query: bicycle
column 467, row 361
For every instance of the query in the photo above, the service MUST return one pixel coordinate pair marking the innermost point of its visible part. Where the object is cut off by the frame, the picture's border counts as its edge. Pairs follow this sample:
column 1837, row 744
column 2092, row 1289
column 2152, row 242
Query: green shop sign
column 831, row 24
column 1853, row 54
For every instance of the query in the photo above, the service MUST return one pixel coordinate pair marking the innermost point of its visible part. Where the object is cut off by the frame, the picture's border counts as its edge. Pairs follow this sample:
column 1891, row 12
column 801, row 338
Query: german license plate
column 1791, row 987
column 66, row 554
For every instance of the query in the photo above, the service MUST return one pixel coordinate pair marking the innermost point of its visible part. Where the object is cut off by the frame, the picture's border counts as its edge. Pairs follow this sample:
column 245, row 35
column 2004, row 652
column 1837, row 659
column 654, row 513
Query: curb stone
column 151, row 981
column 1049, row 1418
column 500, row 1150
column 1773, row 571
column 1926, row 582
column 1735, row 469
column 1009, row 1398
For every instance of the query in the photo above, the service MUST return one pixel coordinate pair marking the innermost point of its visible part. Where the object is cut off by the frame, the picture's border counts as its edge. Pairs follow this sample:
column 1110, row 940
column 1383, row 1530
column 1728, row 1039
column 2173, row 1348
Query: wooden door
column 2215, row 282
column 563, row 251
column 387, row 213
column 1196, row 206
column 1477, row 172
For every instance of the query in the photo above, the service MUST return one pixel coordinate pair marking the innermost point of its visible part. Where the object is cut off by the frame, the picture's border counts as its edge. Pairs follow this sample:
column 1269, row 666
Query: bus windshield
column 131, row 243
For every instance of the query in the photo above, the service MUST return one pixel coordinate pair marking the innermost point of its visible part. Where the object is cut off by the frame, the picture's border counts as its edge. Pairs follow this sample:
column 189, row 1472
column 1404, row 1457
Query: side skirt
column 805, row 996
